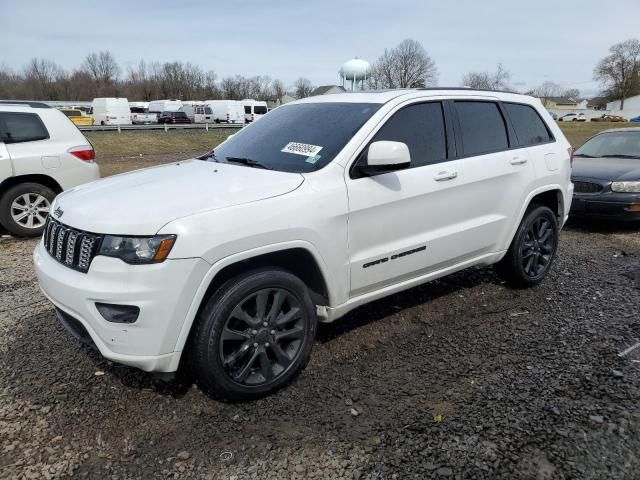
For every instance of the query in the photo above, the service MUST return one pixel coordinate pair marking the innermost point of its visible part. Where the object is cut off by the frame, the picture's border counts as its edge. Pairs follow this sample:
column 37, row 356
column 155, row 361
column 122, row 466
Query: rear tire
column 532, row 250
column 24, row 208
column 254, row 335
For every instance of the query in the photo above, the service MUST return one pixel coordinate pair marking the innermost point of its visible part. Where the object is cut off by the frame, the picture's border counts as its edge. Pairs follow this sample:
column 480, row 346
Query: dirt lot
column 459, row 378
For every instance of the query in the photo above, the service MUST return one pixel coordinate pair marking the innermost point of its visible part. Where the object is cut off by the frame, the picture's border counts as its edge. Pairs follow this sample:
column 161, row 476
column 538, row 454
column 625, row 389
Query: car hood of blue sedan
column 606, row 168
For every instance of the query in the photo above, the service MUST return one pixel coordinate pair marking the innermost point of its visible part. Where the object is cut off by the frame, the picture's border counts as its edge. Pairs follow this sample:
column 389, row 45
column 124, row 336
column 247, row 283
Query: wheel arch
column 550, row 196
column 35, row 178
column 299, row 258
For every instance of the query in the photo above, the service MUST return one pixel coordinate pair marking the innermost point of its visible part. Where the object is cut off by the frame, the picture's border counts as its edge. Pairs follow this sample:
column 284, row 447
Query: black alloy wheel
column 532, row 250
column 262, row 336
column 253, row 336
column 538, row 246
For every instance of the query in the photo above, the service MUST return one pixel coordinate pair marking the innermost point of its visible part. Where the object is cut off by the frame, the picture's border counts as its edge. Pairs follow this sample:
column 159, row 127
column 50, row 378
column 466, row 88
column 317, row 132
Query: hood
column 142, row 201
column 610, row 168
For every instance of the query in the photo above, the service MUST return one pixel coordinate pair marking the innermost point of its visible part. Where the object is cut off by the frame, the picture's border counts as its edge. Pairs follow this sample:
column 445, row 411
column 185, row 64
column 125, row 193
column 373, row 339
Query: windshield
column 297, row 138
column 613, row 144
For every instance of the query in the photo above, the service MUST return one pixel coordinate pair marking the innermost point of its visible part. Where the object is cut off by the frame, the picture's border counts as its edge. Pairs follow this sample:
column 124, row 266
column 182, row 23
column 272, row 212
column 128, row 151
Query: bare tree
column 40, row 78
column 498, row 80
column 572, row 93
column 104, row 70
column 278, row 89
column 619, row 72
column 141, row 83
column 405, row 66
column 550, row 89
column 303, row 87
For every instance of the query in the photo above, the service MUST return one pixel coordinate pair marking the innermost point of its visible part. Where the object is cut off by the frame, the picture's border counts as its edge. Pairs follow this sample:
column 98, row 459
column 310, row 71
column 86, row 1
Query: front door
column 406, row 222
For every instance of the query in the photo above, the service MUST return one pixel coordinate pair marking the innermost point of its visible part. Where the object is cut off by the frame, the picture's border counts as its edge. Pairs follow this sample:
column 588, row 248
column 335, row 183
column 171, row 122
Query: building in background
column 561, row 103
column 631, row 103
column 327, row 90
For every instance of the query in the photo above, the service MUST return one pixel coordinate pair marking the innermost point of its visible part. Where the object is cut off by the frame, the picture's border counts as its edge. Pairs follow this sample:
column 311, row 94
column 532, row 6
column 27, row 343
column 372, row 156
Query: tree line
column 408, row 65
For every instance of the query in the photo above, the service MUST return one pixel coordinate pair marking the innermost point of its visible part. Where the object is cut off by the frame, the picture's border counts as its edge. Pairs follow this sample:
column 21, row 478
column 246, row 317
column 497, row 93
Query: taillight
column 84, row 153
column 570, row 150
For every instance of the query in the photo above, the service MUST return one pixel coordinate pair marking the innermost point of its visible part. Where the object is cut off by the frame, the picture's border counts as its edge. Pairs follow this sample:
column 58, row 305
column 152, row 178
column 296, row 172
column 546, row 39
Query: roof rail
column 469, row 89
column 23, row 102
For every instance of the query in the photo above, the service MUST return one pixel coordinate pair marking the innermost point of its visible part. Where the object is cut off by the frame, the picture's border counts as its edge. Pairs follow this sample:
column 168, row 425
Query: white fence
column 589, row 114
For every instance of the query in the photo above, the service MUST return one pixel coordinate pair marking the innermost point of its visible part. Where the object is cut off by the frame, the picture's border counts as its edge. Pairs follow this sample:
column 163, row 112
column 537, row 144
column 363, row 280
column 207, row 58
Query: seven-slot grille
column 73, row 248
column 586, row 187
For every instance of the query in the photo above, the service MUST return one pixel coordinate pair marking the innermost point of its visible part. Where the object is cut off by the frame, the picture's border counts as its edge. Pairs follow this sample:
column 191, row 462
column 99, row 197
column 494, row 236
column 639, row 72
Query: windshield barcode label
column 303, row 149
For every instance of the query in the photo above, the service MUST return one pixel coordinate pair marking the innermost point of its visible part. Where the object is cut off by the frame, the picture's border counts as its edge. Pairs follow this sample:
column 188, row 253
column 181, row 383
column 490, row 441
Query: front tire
column 532, row 250
column 24, row 208
column 254, row 335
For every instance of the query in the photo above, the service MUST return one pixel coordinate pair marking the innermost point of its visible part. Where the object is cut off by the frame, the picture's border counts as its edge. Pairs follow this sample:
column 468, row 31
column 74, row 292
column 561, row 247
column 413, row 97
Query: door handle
column 518, row 160
column 442, row 176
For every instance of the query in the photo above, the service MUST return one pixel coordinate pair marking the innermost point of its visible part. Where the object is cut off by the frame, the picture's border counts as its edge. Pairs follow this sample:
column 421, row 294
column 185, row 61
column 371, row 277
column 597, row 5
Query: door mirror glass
column 385, row 156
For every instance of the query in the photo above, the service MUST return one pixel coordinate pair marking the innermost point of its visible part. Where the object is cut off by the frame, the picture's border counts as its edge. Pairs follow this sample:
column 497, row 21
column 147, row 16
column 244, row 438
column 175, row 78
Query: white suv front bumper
column 162, row 291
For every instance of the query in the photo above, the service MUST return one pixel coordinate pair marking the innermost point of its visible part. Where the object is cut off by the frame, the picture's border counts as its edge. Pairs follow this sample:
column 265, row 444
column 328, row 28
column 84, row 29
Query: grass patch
column 579, row 132
column 151, row 142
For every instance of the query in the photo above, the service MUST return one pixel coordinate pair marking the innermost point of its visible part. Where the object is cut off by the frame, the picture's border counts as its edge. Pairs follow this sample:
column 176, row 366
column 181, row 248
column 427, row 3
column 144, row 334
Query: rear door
column 407, row 222
column 497, row 172
column 27, row 142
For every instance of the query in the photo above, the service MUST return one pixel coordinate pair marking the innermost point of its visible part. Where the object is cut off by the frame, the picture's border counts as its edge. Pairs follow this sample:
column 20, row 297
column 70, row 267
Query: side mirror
column 386, row 156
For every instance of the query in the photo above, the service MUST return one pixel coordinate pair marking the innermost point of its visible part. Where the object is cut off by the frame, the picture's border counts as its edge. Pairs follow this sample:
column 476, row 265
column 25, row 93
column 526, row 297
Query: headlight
column 625, row 187
column 138, row 249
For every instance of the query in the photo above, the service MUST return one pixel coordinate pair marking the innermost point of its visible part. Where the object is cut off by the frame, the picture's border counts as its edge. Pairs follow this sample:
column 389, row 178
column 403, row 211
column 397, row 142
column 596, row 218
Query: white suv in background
column 42, row 153
column 227, row 262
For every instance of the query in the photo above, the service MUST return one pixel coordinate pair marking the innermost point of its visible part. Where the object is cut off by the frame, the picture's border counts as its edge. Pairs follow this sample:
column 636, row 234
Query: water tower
column 354, row 73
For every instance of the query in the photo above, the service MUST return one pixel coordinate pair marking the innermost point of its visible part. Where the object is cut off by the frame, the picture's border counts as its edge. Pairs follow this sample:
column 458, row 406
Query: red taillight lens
column 570, row 150
column 84, row 153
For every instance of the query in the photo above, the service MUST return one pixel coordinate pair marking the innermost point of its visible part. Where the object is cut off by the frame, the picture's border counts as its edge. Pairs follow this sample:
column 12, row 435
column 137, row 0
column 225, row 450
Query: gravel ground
column 459, row 378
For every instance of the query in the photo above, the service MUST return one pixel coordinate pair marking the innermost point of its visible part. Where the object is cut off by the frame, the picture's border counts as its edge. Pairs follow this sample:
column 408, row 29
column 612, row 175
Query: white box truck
column 111, row 111
column 226, row 111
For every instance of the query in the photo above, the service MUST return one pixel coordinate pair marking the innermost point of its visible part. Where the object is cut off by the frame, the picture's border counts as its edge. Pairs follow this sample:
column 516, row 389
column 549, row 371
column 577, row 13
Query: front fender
column 199, row 296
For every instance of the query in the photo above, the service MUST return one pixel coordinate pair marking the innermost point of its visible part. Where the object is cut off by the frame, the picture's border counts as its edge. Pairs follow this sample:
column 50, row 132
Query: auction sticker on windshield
column 303, row 149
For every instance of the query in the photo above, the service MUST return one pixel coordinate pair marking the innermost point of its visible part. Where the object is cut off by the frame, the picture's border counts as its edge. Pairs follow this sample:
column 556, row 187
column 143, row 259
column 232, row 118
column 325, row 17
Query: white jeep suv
column 42, row 153
column 227, row 262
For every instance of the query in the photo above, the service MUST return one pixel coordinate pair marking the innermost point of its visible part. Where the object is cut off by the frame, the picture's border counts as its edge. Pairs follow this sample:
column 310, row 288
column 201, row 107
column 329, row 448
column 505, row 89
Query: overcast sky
column 557, row 40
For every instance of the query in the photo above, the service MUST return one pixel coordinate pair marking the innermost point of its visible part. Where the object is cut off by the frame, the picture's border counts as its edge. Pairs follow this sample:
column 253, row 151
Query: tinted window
column 259, row 109
column 247, row 109
column 207, row 111
column 529, row 127
column 72, row 113
column 137, row 110
column 422, row 128
column 482, row 127
column 320, row 128
column 180, row 114
column 21, row 127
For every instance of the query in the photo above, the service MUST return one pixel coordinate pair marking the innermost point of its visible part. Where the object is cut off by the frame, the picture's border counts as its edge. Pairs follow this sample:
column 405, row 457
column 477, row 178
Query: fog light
column 118, row 313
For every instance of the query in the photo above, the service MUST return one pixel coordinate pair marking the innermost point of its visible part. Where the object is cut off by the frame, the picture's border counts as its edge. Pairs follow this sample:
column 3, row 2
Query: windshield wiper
column 211, row 155
column 621, row 155
column 584, row 155
column 249, row 162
